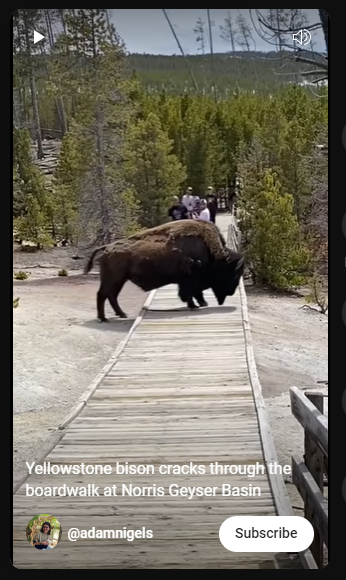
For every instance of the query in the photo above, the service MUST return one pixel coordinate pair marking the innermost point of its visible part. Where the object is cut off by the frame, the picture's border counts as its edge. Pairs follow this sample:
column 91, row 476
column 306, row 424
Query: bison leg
column 113, row 299
column 186, row 294
column 186, row 298
column 101, row 299
column 191, row 304
column 200, row 299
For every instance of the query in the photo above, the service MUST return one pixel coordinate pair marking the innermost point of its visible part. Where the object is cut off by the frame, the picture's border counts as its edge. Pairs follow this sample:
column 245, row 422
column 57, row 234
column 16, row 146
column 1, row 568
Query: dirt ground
column 59, row 348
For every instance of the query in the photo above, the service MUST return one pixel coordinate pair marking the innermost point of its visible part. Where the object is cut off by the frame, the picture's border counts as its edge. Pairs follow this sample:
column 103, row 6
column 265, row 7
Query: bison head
column 227, row 275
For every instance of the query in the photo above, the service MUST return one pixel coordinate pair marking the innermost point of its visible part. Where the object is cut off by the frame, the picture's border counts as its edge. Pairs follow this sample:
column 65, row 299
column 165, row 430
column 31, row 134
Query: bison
column 189, row 253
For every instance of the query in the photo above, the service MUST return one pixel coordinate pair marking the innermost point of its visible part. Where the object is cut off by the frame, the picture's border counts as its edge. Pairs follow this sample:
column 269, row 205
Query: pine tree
column 154, row 172
column 33, row 226
column 26, row 21
column 31, row 198
column 275, row 251
column 103, row 112
column 65, row 187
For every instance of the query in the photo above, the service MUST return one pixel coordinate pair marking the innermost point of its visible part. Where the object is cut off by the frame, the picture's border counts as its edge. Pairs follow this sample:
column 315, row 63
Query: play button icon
column 37, row 37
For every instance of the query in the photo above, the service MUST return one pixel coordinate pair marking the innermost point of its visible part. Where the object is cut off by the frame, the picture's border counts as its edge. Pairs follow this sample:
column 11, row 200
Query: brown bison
column 189, row 253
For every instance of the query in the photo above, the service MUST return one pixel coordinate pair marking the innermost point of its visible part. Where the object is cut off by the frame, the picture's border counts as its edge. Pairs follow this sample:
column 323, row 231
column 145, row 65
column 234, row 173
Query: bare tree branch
column 283, row 22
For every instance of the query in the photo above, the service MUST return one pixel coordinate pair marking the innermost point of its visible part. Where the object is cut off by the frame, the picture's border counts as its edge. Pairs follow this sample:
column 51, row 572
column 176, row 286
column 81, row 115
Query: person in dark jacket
column 178, row 211
column 231, row 197
column 212, row 205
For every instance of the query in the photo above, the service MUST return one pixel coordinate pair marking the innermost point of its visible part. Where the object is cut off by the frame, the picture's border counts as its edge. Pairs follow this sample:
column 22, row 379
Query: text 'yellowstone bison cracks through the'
column 188, row 253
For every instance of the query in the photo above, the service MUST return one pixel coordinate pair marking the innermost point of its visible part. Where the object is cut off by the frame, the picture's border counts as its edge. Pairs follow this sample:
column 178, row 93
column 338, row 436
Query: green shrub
column 21, row 276
column 275, row 250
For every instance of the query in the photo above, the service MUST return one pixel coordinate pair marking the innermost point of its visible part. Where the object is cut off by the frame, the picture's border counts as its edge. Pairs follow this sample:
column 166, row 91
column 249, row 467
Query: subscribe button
column 266, row 534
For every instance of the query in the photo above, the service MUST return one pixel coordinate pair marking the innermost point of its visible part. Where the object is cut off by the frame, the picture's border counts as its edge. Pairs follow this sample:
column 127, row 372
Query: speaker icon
column 303, row 37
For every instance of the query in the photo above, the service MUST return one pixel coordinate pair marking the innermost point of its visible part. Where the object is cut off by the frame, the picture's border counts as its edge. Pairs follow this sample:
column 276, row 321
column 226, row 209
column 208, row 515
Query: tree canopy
column 135, row 132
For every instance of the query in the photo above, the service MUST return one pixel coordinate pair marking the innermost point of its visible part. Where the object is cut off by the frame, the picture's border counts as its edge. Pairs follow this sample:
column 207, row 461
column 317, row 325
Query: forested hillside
column 127, row 150
column 250, row 71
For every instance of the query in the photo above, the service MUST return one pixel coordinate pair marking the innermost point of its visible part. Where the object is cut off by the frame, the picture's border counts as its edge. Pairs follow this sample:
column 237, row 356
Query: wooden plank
column 94, row 385
column 199, row 554
column 310, row 491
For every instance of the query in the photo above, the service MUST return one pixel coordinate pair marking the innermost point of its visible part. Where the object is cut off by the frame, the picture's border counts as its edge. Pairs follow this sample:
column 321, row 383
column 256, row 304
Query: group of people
column 192, row 207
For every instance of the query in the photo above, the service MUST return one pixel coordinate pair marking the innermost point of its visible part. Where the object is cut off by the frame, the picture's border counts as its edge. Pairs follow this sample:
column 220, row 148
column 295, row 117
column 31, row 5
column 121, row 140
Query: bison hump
column 172, row 232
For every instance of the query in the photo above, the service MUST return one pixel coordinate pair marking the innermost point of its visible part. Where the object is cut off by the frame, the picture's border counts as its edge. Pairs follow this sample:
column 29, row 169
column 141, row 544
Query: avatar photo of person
column 43, row 532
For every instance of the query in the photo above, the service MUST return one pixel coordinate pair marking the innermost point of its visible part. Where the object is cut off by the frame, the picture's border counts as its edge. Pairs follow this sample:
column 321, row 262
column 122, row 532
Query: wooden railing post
column 314, row 461
column 307, row 473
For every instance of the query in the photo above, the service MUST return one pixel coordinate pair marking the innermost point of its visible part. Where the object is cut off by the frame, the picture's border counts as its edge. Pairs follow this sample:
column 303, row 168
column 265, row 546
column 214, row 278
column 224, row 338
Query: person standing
column 204, row 213
column 231, row 197
column 178, row 210
column 212, row 205
column 189, row 201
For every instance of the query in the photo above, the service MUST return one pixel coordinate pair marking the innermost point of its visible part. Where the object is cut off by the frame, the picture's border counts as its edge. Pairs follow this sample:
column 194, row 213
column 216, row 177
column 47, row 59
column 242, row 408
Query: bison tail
column 90, row 263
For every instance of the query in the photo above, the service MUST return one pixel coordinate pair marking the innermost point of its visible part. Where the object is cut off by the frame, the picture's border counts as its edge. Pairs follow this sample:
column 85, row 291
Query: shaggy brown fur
column 148, row 263
column 170, row 231
column 167, row 233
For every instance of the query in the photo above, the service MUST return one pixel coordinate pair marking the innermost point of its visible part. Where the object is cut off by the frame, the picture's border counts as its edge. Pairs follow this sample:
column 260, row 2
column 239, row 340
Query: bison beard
column 192, row 255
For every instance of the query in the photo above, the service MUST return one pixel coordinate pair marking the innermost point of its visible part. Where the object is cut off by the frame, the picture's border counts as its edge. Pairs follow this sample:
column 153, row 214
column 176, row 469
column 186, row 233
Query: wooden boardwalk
column 184, row 389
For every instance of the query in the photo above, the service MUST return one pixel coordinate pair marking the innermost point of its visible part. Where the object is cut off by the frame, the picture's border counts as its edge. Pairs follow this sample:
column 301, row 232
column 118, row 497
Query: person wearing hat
column 211, row 205
column 178, row 210
column 189, row 201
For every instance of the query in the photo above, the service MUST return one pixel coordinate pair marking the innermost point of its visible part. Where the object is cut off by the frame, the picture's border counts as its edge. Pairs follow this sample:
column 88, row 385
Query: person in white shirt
column 189, row 201
column 204, row 213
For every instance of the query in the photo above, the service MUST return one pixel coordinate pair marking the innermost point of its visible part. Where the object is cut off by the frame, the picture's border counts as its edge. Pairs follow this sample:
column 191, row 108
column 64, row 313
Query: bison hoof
column 203, row 304
column 194, row 307
column 123, row 315
column 103, row 320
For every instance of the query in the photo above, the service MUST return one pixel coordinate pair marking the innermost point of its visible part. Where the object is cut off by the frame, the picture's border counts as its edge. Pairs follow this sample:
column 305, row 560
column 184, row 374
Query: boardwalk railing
column 234, row 235
column 308, row 473
column 283, row 503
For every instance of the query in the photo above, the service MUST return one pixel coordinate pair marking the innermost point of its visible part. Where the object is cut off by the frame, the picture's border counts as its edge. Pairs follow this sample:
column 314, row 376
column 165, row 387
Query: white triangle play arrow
column 37, row 37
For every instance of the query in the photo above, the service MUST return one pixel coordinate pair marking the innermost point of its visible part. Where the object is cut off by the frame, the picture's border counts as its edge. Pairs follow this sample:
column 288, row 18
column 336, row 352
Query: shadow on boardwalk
column 179, row 312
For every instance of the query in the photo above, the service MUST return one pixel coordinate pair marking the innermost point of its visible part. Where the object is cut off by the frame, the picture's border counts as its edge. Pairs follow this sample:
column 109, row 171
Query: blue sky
column 145, row 30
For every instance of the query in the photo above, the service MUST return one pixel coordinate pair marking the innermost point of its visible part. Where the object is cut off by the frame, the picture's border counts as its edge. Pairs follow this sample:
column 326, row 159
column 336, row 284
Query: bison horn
column 240, row 264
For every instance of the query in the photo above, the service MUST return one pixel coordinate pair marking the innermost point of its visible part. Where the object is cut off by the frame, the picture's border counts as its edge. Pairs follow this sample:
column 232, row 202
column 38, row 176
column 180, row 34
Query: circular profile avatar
column 43, row 532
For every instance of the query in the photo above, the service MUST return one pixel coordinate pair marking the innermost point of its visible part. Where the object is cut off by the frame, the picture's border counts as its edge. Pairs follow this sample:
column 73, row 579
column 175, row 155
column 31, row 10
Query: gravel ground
column 59, row 348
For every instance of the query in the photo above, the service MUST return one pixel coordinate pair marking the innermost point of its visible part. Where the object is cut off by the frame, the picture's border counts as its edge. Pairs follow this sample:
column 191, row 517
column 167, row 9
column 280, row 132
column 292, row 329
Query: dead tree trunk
column 101, row 166
column 58, row 100
column 19, row 97
column 105, row 218
column 40, row 153
column 324, row 16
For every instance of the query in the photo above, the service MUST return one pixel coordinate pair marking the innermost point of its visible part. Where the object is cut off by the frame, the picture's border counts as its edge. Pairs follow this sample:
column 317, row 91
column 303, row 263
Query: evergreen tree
column 103, row 112
column 31, row 198
column 275, row 251
column 153, row 171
